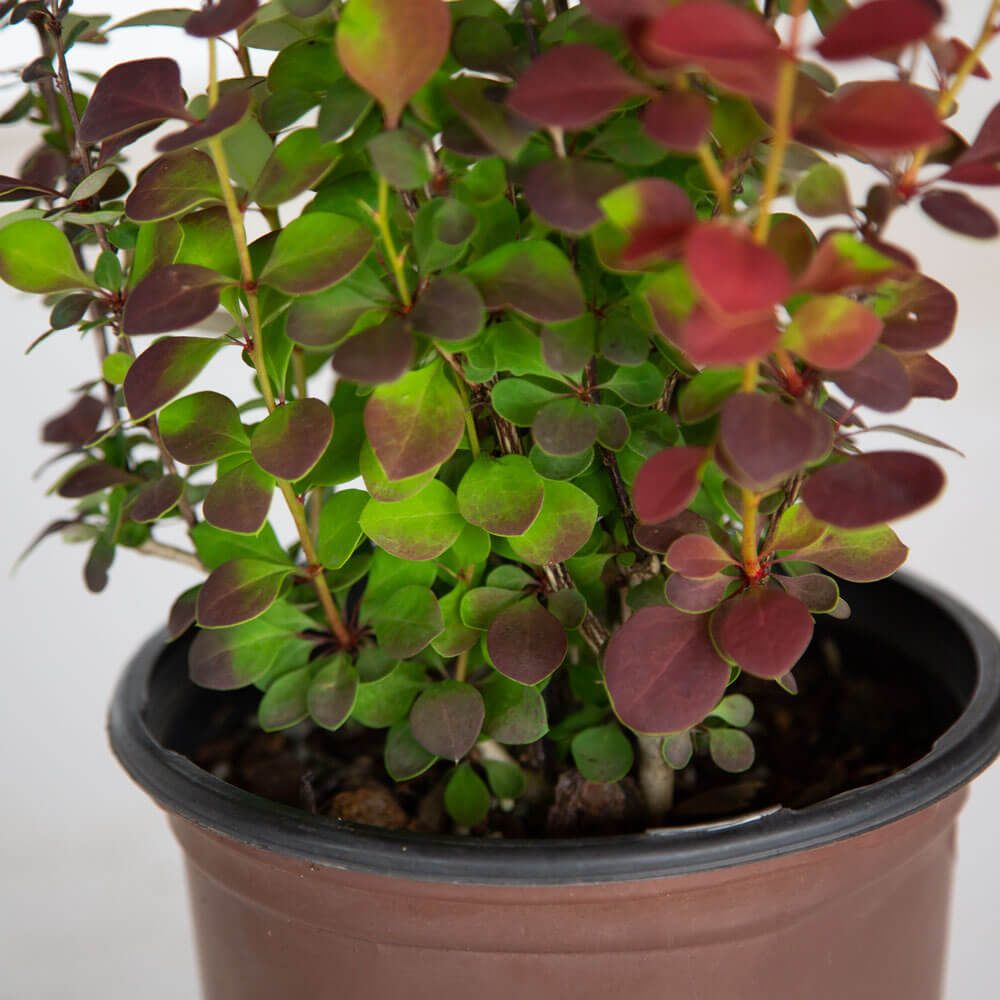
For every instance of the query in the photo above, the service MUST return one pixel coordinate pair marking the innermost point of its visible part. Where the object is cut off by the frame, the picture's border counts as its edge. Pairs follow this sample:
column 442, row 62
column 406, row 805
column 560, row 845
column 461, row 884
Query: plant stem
column 295, row 507
column 459, row 378
column 385, row 229
column 718, row 180
column 162, row 551
column 782, row 124
column 948, row 95
column 313, row 501
column 751, row 558
column 656, row 778
column 462, row 665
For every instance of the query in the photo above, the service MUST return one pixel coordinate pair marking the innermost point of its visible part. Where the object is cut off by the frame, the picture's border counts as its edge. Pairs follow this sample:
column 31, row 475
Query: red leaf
column 291, row 440
column 884, row 116
column 877, row 26
column 133, row 94
column 526, row 642
column 764, row 631
column 659, row 537
column 666, row 483
column 735, row 274
column 572, row 86
column 866, row 490
column 698, row 557
column 707, row 340
column 929, row 378
column 565, row 192
column 656, row 213
column 958, row 212
column 767, row 441
column 376, row 355
column 924, row 316
column 949, row 55
column 986, row 146
column 878, row 381
column 833, row 332
column 860, row 556
column 838, row 264
column 623, row 11
column 710, row 29
column 697, row 596
column 977, row 174
column 679, row 120
column 662, row 671
column 218, row 18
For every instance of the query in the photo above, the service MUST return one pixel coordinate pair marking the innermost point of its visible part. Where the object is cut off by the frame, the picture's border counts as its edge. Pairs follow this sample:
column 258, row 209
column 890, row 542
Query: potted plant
column 588, row 503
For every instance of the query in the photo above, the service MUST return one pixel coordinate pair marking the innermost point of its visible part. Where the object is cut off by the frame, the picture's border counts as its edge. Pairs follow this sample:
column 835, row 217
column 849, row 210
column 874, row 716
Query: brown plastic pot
column 844, row 900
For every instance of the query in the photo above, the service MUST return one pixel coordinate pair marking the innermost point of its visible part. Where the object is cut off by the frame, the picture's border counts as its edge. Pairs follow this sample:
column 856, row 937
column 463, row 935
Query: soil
column 858, row 717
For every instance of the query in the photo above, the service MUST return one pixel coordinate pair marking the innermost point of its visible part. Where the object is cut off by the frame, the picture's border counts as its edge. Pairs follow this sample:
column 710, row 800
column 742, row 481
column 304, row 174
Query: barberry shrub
column 600, row 409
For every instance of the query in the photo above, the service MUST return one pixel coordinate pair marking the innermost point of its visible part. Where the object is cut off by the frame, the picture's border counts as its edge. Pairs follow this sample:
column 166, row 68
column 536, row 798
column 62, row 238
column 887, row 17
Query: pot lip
column 182, row 788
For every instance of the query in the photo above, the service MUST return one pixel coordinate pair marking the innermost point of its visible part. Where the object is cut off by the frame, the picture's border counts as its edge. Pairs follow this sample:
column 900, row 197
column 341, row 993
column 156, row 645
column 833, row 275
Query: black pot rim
column 181, row 787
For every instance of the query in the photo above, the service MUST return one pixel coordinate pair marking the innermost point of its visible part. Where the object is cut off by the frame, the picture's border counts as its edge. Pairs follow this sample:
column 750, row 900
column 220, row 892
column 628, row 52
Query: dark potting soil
column 860, row 715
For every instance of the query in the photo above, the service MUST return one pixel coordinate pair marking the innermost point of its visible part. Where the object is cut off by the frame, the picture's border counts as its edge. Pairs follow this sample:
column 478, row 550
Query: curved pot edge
column 179, row 786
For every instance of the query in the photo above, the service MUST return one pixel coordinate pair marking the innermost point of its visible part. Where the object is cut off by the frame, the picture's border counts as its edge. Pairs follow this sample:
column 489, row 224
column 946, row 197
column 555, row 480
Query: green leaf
column 441, row 233
column 532, row 277
column 310, row 65
column 603, row 753
column 404, row 757
column 731, row 749
column 340, row 528
column 562, row 527
column 216, row 546
column 381, row 487
column 502, row 495
column 515, row 713
column 415, row 423
column 677, row 750
column 298, row 162
column 407, row 622
column 383, row 702
column 418, row 528
column 736, row 709
column 239, row 591
column 36, row 257
column 333, row 691
column 202, row 427
column 704, row 395
column 115, row 367
column 392, row 49
column 823, row 192
column 285, row 703
column 641, row 385
column 314, row 252
column 108, row 271
column 519, row 401
column 568, row 347
column 466, row 797
column 506, row 779
column 228, row 658
column 342, row 111
column 399, row 157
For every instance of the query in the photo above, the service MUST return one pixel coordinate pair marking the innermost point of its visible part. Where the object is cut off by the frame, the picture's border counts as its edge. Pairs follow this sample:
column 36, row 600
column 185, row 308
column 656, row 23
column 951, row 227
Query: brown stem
column 171, row 552
column 792, row 488
column 529, row 28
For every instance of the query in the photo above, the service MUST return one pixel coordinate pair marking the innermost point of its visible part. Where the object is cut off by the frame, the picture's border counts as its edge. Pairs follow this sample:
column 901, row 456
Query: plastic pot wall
column 845, row 899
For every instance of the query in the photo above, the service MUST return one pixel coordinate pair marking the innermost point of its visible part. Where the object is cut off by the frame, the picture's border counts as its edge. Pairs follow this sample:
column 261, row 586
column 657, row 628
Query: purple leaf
column 929, row 378
column 698, row 596
column 958, row 212
column 867, row 490
column 216, row 17
column 526, row 642
column 155, row 499
column 291, row 440
column 76, row 425
column 450, row 308
column 819, row 593
column 878, row 381
column 226, row 114
column 554, row 91
column 378, row 354
column 239, row 591
column 131, row 95
column 92, row 478
column 446, row 719
column 164, row 370
column 239, row 500
column 565, row 192
column 662, row 671
column 923, row 318
column 679, row 120
column 175, row 297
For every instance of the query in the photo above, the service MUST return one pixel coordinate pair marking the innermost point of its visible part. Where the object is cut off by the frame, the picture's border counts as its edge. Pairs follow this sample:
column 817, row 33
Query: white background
column 92, row 900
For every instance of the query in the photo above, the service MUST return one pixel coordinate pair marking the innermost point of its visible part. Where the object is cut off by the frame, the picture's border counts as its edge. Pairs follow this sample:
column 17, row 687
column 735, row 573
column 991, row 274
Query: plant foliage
column 607, row 406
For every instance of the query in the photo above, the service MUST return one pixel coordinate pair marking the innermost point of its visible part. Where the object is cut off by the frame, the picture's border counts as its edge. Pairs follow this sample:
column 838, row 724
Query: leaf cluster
column 595, row 443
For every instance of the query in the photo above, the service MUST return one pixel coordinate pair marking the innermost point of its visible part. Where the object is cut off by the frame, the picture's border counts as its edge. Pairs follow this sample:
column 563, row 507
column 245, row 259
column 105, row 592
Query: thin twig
column 171, row 552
